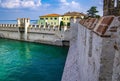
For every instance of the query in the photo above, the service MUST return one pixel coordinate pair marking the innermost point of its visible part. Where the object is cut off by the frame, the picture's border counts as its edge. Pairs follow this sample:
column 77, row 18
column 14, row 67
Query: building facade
column 50, row 20
column 55, row 19
column 67, row 16
column 111, row 7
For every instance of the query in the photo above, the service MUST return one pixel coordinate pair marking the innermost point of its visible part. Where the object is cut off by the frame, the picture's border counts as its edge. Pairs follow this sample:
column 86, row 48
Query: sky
column 13, row 9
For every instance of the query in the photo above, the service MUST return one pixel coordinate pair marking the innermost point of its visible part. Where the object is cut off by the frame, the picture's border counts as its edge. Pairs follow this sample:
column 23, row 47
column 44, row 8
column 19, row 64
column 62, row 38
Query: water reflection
column 24, row 51
column 21, row 61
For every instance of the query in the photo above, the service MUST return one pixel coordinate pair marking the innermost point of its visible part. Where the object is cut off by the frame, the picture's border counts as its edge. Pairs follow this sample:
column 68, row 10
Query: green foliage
column 86, row 17
column 92, row 12
column 97, row 16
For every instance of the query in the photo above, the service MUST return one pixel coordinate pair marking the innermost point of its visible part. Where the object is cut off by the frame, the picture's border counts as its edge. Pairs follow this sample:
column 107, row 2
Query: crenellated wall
column 94, row 50
column 23, row 30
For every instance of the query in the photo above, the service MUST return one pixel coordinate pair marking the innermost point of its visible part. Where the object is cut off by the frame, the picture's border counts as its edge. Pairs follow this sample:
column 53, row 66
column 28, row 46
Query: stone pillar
column 18, row 22
column 27, row 23
column 23, row 24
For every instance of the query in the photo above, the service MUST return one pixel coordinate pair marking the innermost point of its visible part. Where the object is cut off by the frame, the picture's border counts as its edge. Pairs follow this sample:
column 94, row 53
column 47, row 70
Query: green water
column 22, row 61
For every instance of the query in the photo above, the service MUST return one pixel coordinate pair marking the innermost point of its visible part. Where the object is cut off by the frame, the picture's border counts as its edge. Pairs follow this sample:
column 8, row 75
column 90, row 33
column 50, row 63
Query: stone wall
column 92, row 55
column 47, row 36
column 116, row 65
column 10, row 35
column 34, row 33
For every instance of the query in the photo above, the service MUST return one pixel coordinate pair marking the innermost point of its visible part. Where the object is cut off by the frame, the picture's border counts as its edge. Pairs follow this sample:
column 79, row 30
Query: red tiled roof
column 74, row 14
column 51, row 15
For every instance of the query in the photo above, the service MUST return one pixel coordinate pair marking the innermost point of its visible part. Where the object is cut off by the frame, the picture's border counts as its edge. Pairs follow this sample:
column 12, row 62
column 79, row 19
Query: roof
column 51, row 15
column 74, row 14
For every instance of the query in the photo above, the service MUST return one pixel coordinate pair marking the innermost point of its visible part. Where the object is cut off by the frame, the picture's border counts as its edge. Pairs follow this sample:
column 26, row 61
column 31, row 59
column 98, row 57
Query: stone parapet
column 23, row 30
column 94, row 50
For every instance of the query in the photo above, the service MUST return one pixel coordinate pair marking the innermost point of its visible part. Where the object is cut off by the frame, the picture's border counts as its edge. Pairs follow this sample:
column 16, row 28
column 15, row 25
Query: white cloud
column 99, row 2
column 75, row 4
column 70, row 6
column 46, row 5
column 64, row 2
column 20, row 3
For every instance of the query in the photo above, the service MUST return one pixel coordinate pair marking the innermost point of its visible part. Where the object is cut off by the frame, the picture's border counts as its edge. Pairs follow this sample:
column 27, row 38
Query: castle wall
column 10, row 35
column 116, row 65
column 9, row 31
column 82, row 64
column 33, row 33
column 116, row 69
column 92, row 54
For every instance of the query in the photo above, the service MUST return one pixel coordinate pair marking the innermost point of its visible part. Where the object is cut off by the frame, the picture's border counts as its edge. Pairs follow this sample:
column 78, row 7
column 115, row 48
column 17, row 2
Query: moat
column 23, row 61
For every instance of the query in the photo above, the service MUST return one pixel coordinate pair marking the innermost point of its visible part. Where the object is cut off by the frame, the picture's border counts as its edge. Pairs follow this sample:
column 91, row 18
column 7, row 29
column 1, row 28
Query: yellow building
column 55, row 19
column 67, row 16
column 50, row 19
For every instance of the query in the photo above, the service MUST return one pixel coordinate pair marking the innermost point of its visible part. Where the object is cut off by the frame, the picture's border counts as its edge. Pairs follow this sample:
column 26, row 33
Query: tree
column 97, row 16
column 92, row 12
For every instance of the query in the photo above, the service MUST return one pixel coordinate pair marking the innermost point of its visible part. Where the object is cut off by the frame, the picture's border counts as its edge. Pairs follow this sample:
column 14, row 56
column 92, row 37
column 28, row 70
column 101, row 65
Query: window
column 67, row 18
column 51, row 18
column 54, row 23
column 55, row 18
column 51, row 22
column 41, row 18
column 46, row 18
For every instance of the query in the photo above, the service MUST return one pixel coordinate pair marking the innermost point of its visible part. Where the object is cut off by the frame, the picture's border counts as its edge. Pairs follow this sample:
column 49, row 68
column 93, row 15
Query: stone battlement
column 8, row 25
column 32, row 28
column 35, row 26
column 102, row 26
column 23, row 30
column 94, row 53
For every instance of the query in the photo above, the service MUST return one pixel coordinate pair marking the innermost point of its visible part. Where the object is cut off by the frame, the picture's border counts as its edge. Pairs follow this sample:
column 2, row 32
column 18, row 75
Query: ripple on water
column 22, row 61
